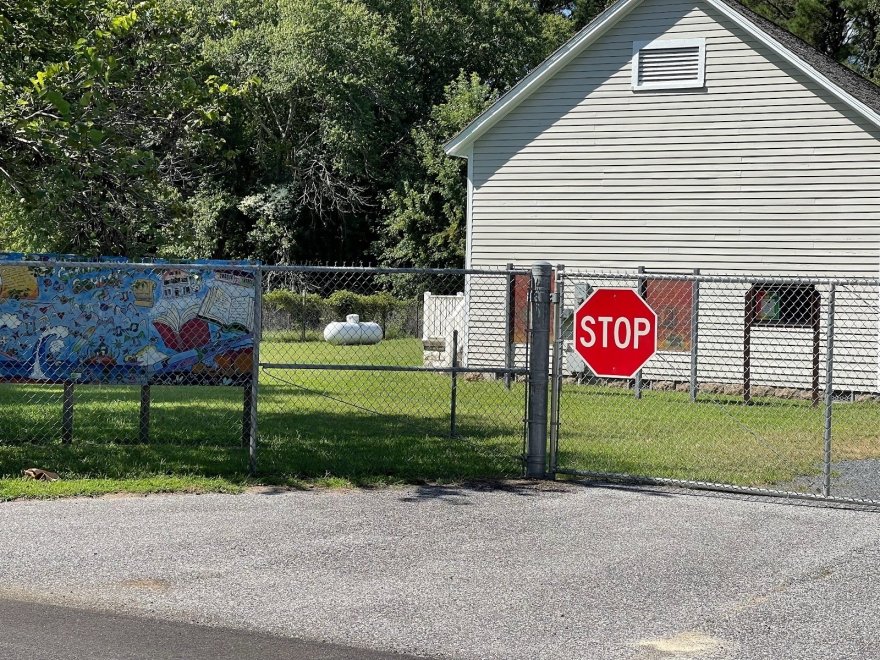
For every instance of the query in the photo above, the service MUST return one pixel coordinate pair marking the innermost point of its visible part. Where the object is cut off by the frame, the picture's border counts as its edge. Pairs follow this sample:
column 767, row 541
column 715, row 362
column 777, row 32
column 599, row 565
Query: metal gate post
column 539, row 371
column 255, row 369
column 556, row 374
column 829, row 395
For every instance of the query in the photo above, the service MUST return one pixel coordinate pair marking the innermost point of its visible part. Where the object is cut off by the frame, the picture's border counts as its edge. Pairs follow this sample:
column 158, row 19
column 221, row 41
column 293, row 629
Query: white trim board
column 460, row 145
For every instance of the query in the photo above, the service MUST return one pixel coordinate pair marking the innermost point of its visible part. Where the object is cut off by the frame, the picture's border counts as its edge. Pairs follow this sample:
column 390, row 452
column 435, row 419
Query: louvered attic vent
column 670, row 64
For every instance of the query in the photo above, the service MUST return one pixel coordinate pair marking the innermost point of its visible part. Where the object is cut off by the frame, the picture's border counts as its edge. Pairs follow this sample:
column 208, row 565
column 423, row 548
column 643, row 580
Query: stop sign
column 615, row 332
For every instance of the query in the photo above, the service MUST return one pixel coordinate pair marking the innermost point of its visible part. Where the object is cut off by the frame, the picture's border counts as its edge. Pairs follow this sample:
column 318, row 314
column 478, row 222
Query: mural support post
column 253, row 387
column 247, row 408
column 144, row 428
column 67, row 414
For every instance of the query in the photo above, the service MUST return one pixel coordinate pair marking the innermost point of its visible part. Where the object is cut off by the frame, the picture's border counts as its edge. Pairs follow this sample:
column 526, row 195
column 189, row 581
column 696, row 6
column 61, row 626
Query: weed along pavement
column 516, row 570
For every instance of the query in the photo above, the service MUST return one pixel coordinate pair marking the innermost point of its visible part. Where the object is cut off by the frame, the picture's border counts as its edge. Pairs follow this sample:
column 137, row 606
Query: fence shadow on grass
column 118, row 461
column 360, row 447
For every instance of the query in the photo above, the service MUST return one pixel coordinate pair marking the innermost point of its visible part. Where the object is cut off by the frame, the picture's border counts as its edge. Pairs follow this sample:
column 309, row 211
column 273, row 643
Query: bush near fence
column 310, row 312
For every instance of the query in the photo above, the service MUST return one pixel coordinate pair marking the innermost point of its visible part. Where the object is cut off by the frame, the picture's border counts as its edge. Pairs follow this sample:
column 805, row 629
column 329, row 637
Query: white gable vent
column 669, row 64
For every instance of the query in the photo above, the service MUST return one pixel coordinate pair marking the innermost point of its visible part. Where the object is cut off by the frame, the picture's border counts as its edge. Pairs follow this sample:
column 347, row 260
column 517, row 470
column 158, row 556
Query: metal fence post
column 695, row 332
column 509, row 312
column 642, row 291
column 453, row 395
column 557, row 373
column 829, row 394
column 303, row 314
column 144, row 427
column 67, row 413
column 539, row 370
column 255, row 369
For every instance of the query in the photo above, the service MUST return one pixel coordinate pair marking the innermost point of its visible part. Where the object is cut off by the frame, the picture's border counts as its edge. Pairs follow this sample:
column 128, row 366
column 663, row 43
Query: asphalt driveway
column 523, row 571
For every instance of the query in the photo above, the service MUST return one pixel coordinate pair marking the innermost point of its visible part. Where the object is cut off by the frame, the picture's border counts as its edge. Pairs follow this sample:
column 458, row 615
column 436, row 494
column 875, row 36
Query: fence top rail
column 630, row 276
column 377, row 270
column 191, row 265
column 565, row 273
column 126, row 265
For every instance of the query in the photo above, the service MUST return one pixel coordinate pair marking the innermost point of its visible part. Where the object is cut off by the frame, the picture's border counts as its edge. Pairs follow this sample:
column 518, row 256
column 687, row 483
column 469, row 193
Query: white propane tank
column 352, row 332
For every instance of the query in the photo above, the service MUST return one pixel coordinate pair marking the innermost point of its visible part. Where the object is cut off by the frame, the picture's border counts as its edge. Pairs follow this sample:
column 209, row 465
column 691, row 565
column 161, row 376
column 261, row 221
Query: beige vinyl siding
column 763, row 171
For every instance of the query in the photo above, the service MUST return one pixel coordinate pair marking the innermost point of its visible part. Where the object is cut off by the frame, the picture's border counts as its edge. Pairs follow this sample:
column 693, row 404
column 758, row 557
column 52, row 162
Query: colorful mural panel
column 108, row 323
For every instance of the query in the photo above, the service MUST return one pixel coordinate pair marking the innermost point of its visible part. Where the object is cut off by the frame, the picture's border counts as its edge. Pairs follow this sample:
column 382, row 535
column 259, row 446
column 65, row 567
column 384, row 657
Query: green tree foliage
column 287, row 130
column 586, row 10
column 426, row 222
column 846, row 30
column 102, row 122
column 322, row 109
column 863, row 46
column 501, row 41
column 326, row 131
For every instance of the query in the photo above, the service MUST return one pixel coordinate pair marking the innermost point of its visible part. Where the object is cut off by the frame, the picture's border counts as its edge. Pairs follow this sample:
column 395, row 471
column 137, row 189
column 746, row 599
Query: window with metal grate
column 669, row 64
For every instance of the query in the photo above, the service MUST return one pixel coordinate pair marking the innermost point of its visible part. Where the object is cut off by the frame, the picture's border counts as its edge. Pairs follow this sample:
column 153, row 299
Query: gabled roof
column 854, row 90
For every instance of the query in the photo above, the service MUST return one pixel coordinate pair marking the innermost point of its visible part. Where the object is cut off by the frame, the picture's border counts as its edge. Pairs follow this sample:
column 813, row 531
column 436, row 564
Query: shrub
column 342, row 303
column 299, row 309
column 311, row 311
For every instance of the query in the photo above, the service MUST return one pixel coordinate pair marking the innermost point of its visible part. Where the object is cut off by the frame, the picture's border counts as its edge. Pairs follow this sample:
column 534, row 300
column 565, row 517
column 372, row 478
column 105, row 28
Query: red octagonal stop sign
column 615, row 332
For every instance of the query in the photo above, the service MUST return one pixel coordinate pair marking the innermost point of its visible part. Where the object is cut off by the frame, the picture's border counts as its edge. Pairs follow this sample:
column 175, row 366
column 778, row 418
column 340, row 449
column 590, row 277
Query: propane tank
column 352, row 332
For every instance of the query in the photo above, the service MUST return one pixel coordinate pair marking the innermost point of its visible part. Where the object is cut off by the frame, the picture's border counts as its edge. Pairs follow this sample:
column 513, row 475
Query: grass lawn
column 717, row 439
column 334, row 428
column 360, row 428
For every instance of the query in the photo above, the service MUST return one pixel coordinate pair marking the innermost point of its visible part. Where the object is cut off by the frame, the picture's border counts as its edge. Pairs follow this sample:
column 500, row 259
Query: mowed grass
column 336, row 428
column 717, row 439
column 343, row 428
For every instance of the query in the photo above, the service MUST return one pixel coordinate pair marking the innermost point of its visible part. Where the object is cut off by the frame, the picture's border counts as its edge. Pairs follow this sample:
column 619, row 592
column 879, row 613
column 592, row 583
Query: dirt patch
column 682, row 645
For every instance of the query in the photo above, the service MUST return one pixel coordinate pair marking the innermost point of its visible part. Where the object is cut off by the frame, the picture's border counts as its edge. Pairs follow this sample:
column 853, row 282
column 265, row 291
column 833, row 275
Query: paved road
column 521, row 572
column 48, row 632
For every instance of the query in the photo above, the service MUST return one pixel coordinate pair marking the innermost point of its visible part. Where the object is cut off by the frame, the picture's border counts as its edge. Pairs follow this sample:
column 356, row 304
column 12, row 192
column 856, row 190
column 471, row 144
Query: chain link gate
column 407, row 372
column 763, row 385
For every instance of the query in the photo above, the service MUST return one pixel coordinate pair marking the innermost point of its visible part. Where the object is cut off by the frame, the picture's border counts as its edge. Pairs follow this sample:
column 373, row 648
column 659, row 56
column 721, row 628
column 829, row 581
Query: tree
column 586, row 10
column 321, row 112
column 497, row 43
column 846, row 30
column 426, row 223
column 864, row 37
column 102, row 117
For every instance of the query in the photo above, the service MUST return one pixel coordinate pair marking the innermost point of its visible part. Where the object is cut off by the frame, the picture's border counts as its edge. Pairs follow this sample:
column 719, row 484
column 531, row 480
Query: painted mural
column 173, row 324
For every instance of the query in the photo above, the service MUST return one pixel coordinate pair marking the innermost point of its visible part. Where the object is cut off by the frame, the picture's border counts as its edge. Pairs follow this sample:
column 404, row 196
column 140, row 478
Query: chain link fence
column 111, row 368
column 759, row 383
column 408, row 373
column 223, row 368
